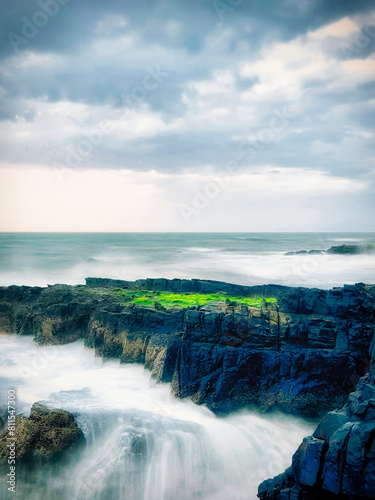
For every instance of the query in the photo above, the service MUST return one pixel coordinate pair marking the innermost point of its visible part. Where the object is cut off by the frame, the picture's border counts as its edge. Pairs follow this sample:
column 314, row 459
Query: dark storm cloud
column 73, row 23
column 98, row 64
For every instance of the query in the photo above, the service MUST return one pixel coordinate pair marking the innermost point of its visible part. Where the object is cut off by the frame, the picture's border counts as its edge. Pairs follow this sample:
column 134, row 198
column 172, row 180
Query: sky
column 206, row 115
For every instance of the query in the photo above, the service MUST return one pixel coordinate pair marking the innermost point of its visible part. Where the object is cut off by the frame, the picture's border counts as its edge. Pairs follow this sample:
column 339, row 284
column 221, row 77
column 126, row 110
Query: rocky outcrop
column 338, row 460
column 44, row 434
column 339, row 250
column 352, row 249
column 303, row 355
column 190, row 286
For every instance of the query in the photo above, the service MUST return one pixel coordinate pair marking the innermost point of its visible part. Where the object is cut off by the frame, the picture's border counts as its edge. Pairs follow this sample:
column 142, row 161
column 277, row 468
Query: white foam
column 198, row 454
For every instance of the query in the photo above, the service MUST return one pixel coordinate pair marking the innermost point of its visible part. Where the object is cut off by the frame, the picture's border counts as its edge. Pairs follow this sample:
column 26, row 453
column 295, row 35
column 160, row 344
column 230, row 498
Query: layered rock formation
column 303, row 355
column 338, row 460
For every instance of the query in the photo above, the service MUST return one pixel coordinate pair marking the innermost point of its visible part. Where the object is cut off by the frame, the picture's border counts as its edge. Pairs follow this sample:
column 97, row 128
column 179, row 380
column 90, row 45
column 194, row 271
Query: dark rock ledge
column 338, row 460
column 303, row 356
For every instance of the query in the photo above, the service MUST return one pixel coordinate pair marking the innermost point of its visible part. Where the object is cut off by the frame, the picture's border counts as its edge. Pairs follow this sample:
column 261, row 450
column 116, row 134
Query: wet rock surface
column 338, row 460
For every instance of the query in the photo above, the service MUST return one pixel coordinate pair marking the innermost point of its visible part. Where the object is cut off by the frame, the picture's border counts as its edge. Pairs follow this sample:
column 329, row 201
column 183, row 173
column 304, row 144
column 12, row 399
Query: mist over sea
column 243, row 258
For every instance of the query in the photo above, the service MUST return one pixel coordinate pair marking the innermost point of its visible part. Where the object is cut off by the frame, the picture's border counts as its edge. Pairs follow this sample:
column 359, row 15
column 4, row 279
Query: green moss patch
column 184, row 300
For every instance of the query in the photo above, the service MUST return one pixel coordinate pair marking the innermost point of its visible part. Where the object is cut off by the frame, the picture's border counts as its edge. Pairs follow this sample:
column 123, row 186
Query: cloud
column 99, row 200
column 123, row 200
column 179, row 87
column 338, row 29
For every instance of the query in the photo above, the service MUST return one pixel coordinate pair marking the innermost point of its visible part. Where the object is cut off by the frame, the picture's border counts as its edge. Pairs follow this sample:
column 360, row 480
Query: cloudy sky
column 200, row 115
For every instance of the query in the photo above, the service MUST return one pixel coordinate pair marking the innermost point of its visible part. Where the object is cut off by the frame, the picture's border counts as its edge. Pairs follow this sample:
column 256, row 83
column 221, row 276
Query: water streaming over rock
column 141, row 443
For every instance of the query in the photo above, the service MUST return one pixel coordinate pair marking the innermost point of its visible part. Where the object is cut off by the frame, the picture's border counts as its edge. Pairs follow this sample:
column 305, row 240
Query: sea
column 141, row 442
column 242, row 258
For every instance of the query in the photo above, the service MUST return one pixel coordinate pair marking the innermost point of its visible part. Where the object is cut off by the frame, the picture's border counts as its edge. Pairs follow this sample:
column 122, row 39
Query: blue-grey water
column 243, row 258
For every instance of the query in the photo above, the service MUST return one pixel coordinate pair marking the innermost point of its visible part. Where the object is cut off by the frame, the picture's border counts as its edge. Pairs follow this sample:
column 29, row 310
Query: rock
column 338, row 249
column 332, row 421
column 44, row 433
column 342, row 341
column 227, row 356
column 106, row 282
column 305, row 252
column 361, row 437
column 303, row 356
column 351, row 249
column 311, row 462
column 338, row 461
column 334, row 459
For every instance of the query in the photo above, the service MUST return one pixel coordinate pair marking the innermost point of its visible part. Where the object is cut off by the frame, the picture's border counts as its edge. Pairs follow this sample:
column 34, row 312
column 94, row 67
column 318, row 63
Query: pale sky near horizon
column 187, row 116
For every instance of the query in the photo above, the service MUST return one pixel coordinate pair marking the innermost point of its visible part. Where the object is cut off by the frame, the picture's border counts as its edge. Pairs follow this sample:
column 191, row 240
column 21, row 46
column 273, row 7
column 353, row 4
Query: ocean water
column 243, row 258
column 142, row 444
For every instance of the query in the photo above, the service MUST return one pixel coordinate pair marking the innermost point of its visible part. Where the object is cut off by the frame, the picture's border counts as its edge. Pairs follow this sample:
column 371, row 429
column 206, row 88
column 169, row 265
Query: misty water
column 141, row 442
column 243, row 258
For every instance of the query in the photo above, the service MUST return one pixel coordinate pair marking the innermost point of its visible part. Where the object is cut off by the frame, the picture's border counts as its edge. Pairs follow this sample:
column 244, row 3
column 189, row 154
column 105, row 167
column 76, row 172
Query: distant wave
column 203, row 249
column 250, row 238
column 348, row 239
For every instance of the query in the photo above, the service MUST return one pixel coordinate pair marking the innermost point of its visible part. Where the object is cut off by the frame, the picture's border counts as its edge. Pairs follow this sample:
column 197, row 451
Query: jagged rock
column 338, row 249
column 303, row 356
column 338, row 461
column 227, row 356
column 44, row 433
column 352, row 249
column 332, row 421
column 310, row 464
